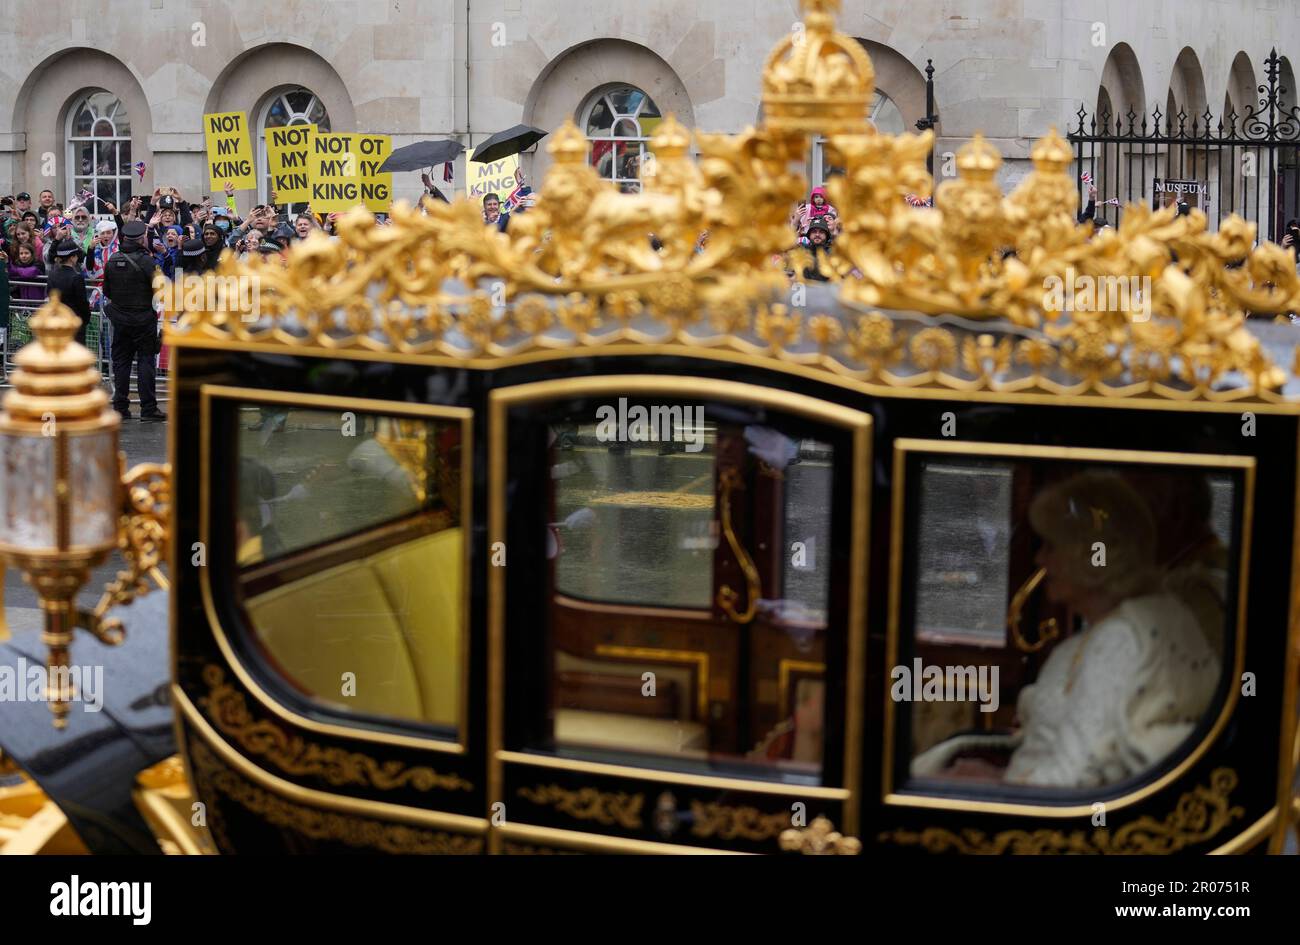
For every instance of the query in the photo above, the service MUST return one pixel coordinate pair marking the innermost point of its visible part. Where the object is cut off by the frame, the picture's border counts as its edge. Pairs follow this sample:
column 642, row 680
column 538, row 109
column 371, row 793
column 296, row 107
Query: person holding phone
column 168, row 258
column 1291, row 235
column 261, row 218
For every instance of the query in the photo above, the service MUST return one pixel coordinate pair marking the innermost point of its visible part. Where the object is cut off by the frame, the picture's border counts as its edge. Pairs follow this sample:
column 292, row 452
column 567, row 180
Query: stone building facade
column 93, row 86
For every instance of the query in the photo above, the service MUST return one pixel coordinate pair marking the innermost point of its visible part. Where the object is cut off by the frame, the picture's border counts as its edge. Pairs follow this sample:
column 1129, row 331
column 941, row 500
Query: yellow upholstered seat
column 394, row 619
column 425, row 586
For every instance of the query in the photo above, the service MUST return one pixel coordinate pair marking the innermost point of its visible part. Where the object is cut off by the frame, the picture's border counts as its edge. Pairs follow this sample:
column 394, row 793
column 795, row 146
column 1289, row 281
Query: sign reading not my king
column 230, row 156
column 288, row 153
column 491, row 177
column 344, row 172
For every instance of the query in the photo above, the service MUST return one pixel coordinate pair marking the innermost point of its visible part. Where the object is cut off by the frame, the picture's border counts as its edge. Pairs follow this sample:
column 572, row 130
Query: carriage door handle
column 730, row 481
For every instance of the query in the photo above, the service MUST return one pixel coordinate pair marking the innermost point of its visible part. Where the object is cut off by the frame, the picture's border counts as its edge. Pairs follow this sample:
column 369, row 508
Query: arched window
column 619, row 122
column 884, row 115
column 295, row 106
column 99, row 150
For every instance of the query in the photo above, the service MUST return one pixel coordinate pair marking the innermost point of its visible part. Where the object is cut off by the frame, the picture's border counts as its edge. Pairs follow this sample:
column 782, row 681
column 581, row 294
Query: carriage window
column 351, row 556
column 677, row 634
column 1064, row 625
column 633, row 519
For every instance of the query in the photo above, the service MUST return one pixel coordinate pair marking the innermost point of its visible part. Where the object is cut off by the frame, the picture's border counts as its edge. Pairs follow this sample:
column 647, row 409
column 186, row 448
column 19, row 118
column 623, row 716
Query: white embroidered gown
column 1143, row 680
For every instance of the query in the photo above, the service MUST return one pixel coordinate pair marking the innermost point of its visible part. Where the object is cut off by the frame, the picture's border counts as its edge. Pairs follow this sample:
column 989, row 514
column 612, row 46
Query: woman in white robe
column 1117, row 698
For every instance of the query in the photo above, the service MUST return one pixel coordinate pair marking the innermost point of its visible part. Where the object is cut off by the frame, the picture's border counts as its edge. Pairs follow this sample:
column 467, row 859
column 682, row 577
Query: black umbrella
column 422, row 154
column 508, row 142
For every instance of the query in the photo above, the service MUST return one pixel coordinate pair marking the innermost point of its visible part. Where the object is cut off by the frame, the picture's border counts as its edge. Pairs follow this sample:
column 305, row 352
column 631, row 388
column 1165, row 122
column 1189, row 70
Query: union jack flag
column 139, row 168
column 517, row 198
column 1086, row 178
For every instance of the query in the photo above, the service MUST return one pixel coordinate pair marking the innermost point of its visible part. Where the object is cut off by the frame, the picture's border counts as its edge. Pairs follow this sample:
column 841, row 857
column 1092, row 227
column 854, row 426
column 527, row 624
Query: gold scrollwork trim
column 295, row 755
column 213, row 778
column 1199, row 816
column 736, row 823
column 604, row 807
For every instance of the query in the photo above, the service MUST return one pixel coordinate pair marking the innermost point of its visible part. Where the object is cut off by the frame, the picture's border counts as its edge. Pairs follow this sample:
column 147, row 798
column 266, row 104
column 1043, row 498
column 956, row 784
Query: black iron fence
column 1246, row 164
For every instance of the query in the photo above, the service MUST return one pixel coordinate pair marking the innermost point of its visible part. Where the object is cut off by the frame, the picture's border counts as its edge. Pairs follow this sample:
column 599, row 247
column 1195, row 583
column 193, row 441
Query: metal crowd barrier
column 28, row 295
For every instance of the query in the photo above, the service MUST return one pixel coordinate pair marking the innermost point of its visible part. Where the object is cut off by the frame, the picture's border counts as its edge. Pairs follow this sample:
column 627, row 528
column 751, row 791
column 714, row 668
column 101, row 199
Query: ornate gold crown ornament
column 1038, row 303
column 817, row 81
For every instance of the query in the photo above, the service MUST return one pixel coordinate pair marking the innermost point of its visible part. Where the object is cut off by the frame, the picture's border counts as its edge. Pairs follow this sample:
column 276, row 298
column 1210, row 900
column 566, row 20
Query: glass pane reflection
column 646, row 665
column 349, row 541
column 1108, row 659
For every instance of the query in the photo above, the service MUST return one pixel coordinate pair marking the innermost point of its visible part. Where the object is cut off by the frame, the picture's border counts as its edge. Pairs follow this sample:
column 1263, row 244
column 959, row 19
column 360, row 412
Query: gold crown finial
column 817, row 80
column 568, row 144
column 978, row 160
column 54, row 324
column 1051, row 152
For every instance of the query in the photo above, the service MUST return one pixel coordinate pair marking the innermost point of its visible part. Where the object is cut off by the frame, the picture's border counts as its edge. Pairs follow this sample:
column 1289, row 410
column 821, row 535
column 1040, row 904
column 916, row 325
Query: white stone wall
column 1010, row 68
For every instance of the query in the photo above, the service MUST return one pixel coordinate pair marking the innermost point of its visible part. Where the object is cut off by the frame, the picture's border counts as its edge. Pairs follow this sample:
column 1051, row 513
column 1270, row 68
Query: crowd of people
column 100, row 257
column 182, row 236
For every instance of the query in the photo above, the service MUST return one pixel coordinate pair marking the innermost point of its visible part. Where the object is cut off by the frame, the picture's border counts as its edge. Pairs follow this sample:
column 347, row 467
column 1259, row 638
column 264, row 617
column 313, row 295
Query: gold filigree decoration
column 604, row 807
column 736, row 823
column 143, row 533
column 697, row 262
column 1198, row 817
column 228, row 710
column 820, row 838
column 213, row 779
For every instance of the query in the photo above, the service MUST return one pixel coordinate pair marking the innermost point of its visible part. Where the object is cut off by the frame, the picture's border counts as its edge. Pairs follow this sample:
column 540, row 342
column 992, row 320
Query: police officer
column 128, row 288
column 193, row 258
column 68, row 280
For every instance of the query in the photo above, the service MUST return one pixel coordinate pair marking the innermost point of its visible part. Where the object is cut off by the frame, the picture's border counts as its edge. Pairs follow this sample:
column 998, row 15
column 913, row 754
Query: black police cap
column 67, row 248
column 134, row 230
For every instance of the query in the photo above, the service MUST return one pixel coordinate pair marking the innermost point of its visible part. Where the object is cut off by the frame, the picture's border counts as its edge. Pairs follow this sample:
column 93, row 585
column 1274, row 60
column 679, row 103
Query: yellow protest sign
column 493, row 177
column 287, row 153
column 230, row 156
column 344, row 172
